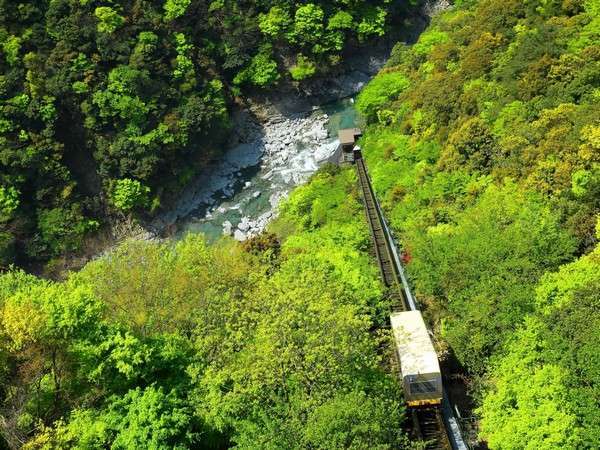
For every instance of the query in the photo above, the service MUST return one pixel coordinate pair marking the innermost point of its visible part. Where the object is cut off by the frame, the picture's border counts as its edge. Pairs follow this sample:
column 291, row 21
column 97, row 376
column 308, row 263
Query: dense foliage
column 265, row 345
column 483, row 144
column 546, row 388
column 94, row 93
column 485, row 151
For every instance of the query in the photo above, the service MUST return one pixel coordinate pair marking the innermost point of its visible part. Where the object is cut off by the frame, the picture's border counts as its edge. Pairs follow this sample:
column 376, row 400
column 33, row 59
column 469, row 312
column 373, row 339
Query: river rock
column 282, row 138
column 239, row 235
column 227, row 227
column 276, row 198
column 256, row 194
column 244, row 225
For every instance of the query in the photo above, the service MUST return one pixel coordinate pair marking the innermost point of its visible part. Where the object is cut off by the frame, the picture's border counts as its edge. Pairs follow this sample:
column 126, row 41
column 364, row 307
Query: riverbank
column 279, row 139
column 239, row 194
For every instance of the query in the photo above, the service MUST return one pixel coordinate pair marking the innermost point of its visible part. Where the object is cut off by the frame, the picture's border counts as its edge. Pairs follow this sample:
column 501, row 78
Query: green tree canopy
column 128, row 194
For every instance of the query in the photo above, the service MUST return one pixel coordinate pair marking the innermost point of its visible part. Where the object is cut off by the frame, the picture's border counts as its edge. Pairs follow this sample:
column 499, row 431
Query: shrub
column 9, row 202
column 303, row 69
column 275, row 22
column 384, row 88
column 262, row 70
column 372, row 23
column 175, row 8
column 428, row 40
column 308, row 24
column 61, row 230
column 7, row 249
column 108, row 19
column 340, row 21
column 128, row 194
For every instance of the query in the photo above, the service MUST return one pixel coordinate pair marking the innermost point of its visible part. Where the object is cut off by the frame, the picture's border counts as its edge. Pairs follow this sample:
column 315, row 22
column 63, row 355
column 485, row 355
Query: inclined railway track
column 381, row 242
column 428, row 424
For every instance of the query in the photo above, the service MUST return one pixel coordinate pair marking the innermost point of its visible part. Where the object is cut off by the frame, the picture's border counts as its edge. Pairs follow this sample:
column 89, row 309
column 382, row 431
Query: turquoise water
column 244, row 203
column 342, row 114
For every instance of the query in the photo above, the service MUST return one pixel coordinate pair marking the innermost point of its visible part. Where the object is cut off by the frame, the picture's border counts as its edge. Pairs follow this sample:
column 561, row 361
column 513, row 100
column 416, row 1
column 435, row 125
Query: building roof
column 348, row 136
column 416, row 352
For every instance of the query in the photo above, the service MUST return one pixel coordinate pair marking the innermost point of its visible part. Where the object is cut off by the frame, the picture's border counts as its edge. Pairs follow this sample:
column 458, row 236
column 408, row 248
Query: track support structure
column 428, row 424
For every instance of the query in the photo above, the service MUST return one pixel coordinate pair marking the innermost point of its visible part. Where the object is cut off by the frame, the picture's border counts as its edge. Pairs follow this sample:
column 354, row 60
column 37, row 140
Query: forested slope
column 484, row 146
column 108, row 105
column 266, row 345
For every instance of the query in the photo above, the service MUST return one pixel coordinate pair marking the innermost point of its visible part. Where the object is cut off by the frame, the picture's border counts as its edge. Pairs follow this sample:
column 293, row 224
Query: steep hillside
column 265, row 345
column 484, row 145
column 108, row 105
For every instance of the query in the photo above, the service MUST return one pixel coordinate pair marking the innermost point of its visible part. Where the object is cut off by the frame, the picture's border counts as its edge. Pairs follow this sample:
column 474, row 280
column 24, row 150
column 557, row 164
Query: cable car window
column 423, row 387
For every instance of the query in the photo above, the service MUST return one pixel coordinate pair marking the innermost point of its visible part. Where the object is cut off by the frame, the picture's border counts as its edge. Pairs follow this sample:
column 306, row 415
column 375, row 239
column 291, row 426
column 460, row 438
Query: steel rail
column 381, row 240
column 428, row 426
column 428, row 423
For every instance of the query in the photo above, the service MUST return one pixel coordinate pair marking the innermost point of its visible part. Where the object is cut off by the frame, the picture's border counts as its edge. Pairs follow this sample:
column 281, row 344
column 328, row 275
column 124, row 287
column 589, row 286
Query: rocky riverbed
column 239, row 195
column 278, row 142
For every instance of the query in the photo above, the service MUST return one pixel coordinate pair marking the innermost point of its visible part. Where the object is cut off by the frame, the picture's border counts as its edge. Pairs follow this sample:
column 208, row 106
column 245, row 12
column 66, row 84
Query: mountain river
column 239, row 194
